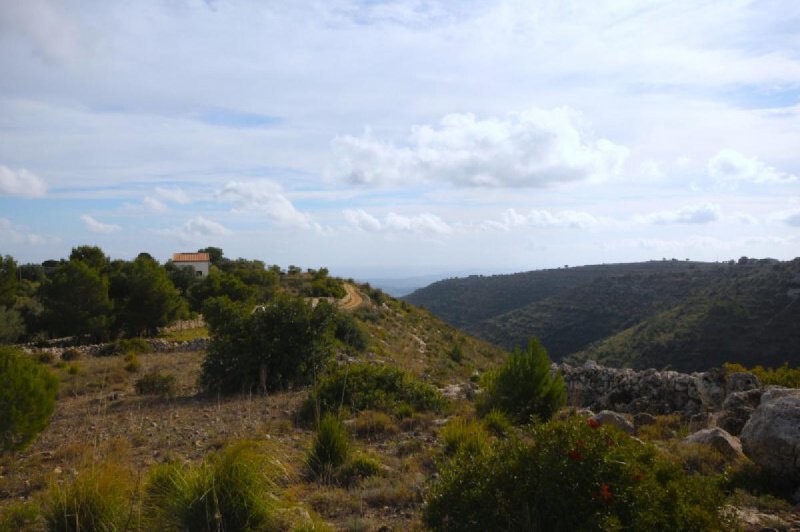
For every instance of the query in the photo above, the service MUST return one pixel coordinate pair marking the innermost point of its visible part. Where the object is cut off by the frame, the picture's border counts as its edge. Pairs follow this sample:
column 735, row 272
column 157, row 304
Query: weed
column 372, row 424
column 155, row 383
column 330, row 449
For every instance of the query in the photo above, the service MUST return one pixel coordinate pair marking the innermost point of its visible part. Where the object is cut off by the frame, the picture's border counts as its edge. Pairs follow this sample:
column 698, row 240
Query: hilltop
column 683, row 314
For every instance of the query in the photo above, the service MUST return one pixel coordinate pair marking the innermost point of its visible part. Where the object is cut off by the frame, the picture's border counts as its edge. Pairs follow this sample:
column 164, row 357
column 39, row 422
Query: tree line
column 92, row 298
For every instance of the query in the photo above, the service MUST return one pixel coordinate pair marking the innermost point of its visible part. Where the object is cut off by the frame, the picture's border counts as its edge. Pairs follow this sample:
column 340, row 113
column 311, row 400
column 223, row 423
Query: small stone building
column 199, row 261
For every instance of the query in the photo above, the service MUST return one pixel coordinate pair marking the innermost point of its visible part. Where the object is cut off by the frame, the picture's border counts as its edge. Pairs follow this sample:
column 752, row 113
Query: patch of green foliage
column 348, row 331
column 230, row 490
column 780, row 376
column 523, row 387
column 27, row 398
column 284, row 342
column 330, row 449
column 366, row 387
column 156, row 383
column 99, row 498
column 566, row 475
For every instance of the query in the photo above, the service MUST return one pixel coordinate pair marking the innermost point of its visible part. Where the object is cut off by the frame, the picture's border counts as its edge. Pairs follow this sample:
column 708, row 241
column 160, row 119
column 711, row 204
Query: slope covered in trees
column 688, row 315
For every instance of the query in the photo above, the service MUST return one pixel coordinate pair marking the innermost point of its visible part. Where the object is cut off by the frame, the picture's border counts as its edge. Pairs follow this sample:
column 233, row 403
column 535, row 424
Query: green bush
column 367, row 387
column 466, row 436
column 523, row 387
column 155, row 383
column 781, row 376
column 132, row 363
column 497, row 423
column 330, row 449
column 358, row 468
column 20, row 517
column 230, row 490
column 27, row 398
column 349, row 332
column 285, row 342
column 70, row 354
column 566, row 475
column 97, row 499
column 133, row 346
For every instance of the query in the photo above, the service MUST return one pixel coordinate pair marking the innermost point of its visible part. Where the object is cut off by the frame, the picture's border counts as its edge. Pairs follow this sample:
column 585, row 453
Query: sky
column 402, row 138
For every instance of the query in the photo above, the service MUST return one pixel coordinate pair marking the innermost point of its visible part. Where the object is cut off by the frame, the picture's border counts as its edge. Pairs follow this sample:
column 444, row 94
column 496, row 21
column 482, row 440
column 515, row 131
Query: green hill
column 689, row 315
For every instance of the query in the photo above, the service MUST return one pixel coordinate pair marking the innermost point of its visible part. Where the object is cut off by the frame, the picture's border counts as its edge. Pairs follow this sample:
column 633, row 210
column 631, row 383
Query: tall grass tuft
column 331, row 448
column 230, row 491
column 99, row 498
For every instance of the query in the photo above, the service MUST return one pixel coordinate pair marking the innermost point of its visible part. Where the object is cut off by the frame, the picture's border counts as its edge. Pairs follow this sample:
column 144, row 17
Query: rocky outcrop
column 771, row 437
column 737, row 409
column 728, row 446
column 607, row 417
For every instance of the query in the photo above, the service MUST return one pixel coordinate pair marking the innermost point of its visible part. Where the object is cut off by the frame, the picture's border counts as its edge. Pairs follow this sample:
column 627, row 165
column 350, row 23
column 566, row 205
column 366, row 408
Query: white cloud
column 198, row 229
column 423, row 223
column 174, row 195
column 98, row 227
column 729, row 167
column 362, row 220
column 154, row 205
column 21, row 183
column 11, row 233
column 267, row 197
column 543, row 219
column 533, row 148
column 420, row 223
column 793, row 219
column 694, row 214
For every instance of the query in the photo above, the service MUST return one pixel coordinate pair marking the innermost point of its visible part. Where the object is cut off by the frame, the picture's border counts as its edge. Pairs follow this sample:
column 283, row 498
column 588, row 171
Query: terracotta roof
column 191, row 257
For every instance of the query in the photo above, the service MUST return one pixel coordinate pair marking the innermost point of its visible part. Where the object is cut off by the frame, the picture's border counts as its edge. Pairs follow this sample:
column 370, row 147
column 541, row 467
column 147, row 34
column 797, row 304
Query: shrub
column 98, row 499
column 155, row 383
column 358, row 468
column 45, row 357
column 133, row 346
column 70, row 354
column 497, row 423
column 366, row 387
column 467, row 436
column 457, row 353
column 781, row 376
column 330, row 449
column 27, row 399
column 284, row 342
column 371, row 424
column 132, row 363
column 523, row 387
column 20, row 517
column 349, row 332
column 74, row 369
column 567, row 475
column 230, row 490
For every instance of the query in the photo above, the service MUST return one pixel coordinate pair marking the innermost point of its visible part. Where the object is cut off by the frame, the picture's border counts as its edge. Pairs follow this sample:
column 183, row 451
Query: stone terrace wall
column 656, row 392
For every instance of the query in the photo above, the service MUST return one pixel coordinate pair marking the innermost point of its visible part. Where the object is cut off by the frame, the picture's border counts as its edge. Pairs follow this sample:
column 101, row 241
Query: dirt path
column 352, row 300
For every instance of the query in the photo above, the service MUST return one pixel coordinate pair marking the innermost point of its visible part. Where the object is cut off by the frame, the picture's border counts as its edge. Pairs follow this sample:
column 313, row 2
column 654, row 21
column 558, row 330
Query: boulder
column 771, row 437
column 737, row 409
column 700, row 421
column 711, row 388
column 741, row 382
column 641, row 419
column 607, row 417
column 728, row 446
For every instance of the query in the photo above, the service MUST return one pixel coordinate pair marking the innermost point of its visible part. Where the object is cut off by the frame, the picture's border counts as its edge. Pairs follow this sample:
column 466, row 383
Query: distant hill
column 687, row 315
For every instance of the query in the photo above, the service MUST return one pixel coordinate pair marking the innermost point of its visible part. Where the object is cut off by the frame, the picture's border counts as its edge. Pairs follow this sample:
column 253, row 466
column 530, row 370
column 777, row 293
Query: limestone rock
column 771, row 437
column 728, row 446
column 737, row 409
column 607, row 417
column 742, row 382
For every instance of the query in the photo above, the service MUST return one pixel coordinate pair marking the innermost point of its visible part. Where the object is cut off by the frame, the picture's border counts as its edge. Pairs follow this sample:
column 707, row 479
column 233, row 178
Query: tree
column 93, row 256
column 76, row 301
column 218, row 284
column 524, row 387
column 282, row 343
column 27, row 399
column 183, row 277
column 8, row 281
column 11, row 325
column 216, row 257
column 148, row 299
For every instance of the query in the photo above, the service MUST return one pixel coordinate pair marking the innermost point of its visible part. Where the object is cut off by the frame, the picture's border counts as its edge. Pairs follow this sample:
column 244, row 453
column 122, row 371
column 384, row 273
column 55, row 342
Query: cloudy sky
column 392, row 138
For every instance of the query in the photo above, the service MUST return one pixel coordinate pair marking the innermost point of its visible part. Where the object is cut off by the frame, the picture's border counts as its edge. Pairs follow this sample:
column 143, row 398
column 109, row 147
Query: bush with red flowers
column 567, row 475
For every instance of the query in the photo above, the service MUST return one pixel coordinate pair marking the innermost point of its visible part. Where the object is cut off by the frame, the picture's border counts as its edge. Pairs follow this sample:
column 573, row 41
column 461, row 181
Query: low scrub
column 230, row 490
column 330, row 449
column 99, row 498
column 156, row 383
column 567, row 475
column 27, row 398
column 780, row 376
column 523, row 388
column 365, row 387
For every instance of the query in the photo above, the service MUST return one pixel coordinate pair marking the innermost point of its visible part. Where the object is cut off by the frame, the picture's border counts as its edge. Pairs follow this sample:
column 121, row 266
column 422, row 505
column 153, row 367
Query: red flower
column 575, row 455
column 593, row 422
column 605, row 492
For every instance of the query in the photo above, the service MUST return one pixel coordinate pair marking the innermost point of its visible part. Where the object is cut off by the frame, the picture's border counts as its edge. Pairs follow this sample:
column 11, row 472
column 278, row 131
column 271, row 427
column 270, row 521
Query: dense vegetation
column 687, row 315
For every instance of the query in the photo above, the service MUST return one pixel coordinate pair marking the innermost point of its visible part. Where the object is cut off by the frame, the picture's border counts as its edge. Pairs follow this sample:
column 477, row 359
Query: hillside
column 666, row 312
